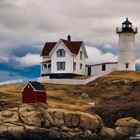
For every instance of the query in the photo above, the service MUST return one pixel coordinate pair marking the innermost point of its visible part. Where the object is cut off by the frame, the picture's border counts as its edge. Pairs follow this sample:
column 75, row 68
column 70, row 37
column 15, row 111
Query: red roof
column 47, row 48
column 74, row 47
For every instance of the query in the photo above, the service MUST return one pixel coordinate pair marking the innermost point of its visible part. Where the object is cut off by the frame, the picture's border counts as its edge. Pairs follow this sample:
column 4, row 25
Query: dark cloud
column 24, row 49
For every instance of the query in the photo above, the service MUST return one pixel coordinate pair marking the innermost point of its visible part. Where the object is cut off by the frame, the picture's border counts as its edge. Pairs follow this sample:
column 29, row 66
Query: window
column 81, row 55
column 81, row 66
column 60, row 65
column 45, row 66
column 61, row 53
column 49, row 66
column 126, row 65
column 74, row 66
column 103, row 67
column 123, row 25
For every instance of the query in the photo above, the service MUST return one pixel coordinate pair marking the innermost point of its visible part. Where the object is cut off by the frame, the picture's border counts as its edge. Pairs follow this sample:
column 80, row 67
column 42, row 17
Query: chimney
column 69, row 38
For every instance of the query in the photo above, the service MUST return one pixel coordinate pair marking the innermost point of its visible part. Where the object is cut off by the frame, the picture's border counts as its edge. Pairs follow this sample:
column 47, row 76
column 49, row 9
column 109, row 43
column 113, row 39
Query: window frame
column 126, row 65
column 74, row 66
column 61, row 53
column 60, row 65
column 81, row 54
column 81, row 65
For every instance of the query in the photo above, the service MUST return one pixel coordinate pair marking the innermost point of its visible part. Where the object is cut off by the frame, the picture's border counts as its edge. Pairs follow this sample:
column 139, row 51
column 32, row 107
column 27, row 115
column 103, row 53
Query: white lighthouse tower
column 126, row 46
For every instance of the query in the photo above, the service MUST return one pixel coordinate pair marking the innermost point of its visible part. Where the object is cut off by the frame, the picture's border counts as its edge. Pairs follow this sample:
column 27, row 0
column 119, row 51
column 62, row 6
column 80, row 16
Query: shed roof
column 37, row 86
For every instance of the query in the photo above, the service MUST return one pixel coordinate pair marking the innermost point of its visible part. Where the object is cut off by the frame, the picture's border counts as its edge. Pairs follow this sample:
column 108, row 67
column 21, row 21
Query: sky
column 25, row 26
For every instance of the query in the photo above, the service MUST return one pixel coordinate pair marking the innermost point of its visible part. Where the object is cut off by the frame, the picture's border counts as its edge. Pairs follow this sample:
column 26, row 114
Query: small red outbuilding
column 33, row 92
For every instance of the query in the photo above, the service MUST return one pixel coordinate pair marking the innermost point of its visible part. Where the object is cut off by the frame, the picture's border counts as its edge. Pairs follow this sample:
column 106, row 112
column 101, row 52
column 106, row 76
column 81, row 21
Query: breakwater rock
column 42, row 122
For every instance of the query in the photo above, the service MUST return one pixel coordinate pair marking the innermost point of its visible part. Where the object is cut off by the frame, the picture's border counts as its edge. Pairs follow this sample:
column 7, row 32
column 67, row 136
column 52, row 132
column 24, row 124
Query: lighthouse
column 126, row 46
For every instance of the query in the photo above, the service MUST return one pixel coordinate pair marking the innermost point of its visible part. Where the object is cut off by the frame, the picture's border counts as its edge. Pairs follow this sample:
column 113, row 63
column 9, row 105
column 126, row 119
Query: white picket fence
column 73, row 81
column 18, row 81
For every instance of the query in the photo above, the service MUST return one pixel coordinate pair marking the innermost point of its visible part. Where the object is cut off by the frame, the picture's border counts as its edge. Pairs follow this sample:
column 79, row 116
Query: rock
column 79, row 97
column 108, row 133
column 31, row 115
column 34, row 137
column 57, row 116
column 17, row 133
column 31, row 129
column 75, row 120
column 9, row 117
column 116, row 81
column 43, row 132
column 49, row 121
column 89, row 121
column 84, row 95
column 65, row 129
column 3, row 130
column 126, row 82
column 128, row 122
column 127, row 127
column 68, row 118
column 87, row 133
column 125, row 131
column 7, row 114
column 40, row 122
column 54, row 135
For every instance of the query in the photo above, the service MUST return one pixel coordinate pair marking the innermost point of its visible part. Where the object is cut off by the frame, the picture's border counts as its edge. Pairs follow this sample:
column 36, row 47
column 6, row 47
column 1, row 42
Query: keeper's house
column 63, row 59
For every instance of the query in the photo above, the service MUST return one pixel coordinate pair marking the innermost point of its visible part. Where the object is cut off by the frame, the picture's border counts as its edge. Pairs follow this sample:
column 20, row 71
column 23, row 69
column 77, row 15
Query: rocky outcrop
column 41, row 122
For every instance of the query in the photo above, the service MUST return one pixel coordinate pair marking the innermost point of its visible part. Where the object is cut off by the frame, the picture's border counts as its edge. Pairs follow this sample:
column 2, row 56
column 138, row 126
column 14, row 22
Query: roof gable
column 72, row 46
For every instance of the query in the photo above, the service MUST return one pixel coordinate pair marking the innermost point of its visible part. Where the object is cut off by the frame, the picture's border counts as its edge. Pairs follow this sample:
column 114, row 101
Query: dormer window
column 61, row 53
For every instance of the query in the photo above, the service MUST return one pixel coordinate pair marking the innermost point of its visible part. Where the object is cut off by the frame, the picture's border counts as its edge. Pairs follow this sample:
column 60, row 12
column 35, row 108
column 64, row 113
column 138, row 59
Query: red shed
column 33, row 92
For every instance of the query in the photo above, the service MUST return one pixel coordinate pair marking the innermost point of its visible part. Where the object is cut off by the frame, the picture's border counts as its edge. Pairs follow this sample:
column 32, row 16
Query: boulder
column 17, row 133
column 127, row 127
column 108, row 133
column 128, row 122
column 31, row 115
column 89, row 121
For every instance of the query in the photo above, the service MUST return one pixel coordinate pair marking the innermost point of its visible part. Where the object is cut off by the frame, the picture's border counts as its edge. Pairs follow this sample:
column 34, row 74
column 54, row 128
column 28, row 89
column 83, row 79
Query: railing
column 119, row 29
column 12, row 82
column 73, row 81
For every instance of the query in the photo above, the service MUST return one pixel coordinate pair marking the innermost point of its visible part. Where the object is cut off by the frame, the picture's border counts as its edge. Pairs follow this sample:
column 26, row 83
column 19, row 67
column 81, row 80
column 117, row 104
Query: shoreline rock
column 40, row 122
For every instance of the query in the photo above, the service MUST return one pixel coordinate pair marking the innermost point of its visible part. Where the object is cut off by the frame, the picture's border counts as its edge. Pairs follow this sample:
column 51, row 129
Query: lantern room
column 126, row 27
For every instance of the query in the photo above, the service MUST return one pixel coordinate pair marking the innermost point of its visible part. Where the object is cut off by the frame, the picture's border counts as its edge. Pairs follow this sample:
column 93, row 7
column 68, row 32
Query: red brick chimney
column 69, row 38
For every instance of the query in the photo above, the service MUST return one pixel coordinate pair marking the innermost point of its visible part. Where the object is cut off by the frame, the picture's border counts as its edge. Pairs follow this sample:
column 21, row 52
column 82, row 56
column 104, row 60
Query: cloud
column 3, row 57
column 96, row 56
column 108, row 46
column 29, row 60
column 25, row 26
